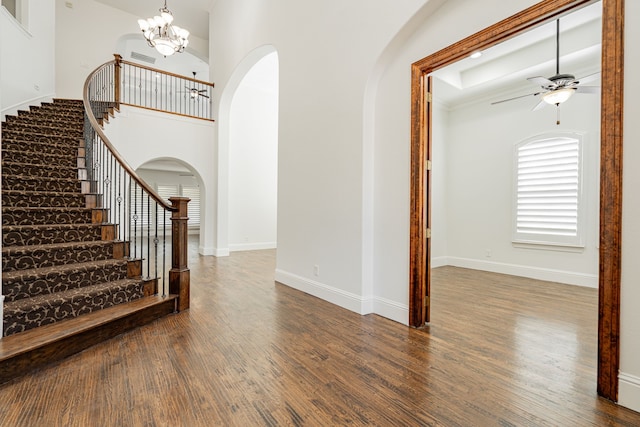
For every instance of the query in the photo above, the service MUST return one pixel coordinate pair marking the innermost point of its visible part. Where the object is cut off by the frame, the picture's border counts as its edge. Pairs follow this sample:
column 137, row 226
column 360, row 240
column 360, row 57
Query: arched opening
column 247, row 155
column 171, row 177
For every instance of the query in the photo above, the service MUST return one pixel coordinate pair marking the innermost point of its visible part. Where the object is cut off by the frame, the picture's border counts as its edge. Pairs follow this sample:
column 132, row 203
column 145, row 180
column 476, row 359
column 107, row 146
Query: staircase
column 61, row 264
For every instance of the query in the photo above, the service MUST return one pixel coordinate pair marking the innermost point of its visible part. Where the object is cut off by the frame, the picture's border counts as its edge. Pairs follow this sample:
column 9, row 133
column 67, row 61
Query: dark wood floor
column 501, row 351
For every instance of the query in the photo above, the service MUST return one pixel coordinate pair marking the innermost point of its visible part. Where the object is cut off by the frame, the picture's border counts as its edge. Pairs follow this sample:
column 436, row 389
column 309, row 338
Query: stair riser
column 47, row 257
column 55, row 310
column 50, row 235
column 42, row 200
column 37, row 157
column 19, row 183
column 62, row 280
column 9, row 168
column 42, row 217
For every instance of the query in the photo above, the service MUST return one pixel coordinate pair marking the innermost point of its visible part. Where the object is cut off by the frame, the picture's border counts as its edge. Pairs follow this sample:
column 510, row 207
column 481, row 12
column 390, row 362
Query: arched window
column 548, row 205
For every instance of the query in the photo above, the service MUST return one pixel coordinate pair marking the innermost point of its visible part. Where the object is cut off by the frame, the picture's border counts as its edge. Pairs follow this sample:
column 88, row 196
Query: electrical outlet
column 316, row 270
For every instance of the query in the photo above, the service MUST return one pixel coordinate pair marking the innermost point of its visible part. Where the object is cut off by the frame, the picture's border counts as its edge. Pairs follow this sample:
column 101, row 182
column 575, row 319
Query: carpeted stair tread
column 34, row 256
column 46, row 130
column 47, row 120
column 51, row 171
column 22, row 284
column 40, row 310
column 29, row 134
column 24, row 235
column 45, row 215
column 42, row 184
column 68, row 159
column 19, row 144
column 41, row 198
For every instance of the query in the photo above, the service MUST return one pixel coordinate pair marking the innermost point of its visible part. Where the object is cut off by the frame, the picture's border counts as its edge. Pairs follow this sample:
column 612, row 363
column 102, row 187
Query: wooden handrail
column 119, row 60
column 98, row 129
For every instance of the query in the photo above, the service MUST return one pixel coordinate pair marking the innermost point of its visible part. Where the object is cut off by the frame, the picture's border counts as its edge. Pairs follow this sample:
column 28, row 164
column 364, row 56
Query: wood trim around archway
column 610, row 165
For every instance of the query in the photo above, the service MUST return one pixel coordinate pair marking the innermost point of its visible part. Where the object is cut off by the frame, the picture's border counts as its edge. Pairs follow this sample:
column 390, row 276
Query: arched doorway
column 247, row 155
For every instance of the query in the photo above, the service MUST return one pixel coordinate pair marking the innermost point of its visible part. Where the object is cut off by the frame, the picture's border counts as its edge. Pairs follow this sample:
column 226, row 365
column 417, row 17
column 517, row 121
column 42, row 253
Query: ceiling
column 190, row 14
column 502, row 70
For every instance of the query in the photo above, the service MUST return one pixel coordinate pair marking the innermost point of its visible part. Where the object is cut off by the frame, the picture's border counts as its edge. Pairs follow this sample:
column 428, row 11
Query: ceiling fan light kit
column 161, row 34
column 558, row 96
column 558, row 88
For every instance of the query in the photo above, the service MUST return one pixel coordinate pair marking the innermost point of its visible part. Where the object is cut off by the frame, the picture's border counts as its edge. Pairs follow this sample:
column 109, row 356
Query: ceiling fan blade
column 539, row 105
column 515, row 97
column 590, row 78
column 206, row 96
column 588, row 89
column 202, row 90
column 542, row 81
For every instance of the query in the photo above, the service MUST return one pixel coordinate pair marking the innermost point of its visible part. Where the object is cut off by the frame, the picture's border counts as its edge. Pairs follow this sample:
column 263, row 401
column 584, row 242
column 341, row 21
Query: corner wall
column 31, row 79
column 629, row 377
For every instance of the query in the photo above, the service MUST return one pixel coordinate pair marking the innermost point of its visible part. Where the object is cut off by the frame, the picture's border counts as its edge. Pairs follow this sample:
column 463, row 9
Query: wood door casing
column 610, row 177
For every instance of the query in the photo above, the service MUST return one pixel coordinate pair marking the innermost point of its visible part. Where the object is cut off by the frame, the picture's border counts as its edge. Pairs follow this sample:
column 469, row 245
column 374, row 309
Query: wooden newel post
column 116, row 79
column 179, row 276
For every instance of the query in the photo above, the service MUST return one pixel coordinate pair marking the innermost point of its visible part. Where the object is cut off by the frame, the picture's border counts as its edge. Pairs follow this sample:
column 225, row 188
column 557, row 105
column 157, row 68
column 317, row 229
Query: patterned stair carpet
column 55, row 263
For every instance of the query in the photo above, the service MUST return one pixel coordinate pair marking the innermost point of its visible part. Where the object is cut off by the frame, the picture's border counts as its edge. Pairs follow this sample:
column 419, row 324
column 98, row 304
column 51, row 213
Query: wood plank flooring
column 500, row 351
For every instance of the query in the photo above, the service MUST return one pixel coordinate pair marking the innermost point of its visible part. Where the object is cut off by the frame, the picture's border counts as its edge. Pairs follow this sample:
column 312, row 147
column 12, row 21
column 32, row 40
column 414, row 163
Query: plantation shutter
column 192, row 192
column 165, row 191
column 548, row 190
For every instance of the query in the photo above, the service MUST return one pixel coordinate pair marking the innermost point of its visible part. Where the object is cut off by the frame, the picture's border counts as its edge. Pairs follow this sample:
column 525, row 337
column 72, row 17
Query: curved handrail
column 98, row 129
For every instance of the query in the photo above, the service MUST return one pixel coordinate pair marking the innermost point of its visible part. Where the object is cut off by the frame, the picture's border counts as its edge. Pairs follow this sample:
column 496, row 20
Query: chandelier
column 159, row 33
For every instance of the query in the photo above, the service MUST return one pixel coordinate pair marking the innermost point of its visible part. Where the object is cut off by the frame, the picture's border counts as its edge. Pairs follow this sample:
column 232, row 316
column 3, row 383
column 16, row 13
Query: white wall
column 324, row 65
column 480, row 182
column 253, row 158
column 439, row 191
column 629, row 393
column 30, row 79
column 86, row 37
column 142, row 135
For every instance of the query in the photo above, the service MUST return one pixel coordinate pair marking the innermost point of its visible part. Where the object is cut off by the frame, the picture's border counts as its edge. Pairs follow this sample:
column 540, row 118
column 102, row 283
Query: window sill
column 546, row 246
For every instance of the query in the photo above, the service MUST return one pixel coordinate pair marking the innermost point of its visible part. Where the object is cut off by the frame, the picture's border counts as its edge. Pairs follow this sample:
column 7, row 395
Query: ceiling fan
column 560, row 87
column 196, row 93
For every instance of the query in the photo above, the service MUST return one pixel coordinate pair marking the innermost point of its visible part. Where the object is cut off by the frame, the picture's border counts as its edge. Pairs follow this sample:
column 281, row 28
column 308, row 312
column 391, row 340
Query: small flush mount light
column 161, row 34
column 475, row 55
column 558, row 96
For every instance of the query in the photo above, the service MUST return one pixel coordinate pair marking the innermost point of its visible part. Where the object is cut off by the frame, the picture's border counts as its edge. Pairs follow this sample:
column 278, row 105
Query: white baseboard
column 361, row 305
column 629, row 391
column 206, row 250
column 548, row 274
column 391, row 310
column 440, row 261
column 220, row 252
column 236, row 247
column 328, row 293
